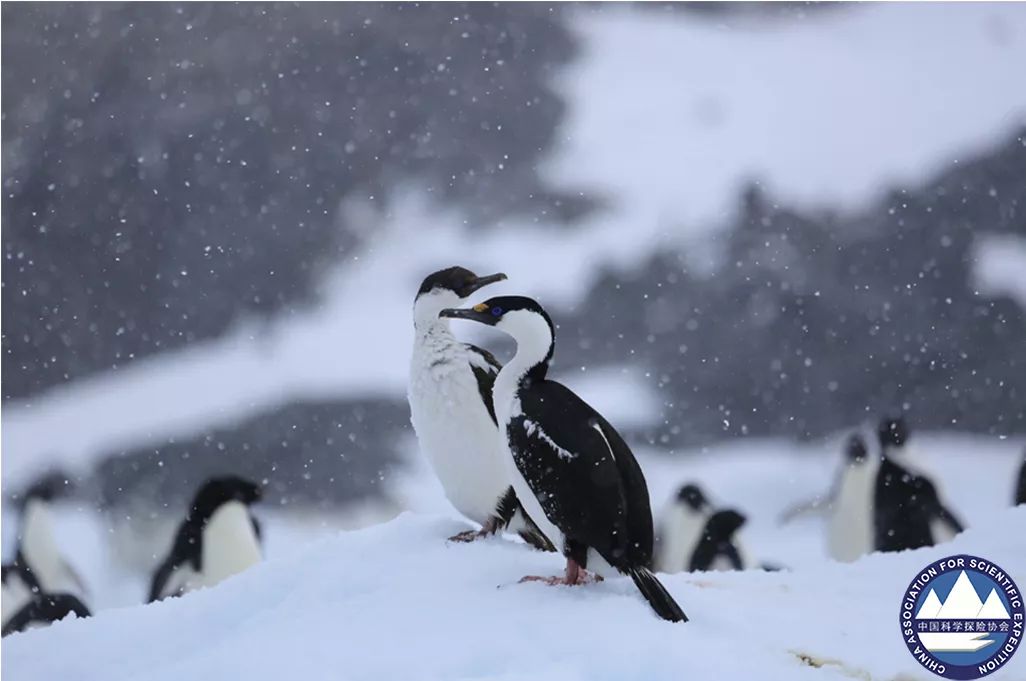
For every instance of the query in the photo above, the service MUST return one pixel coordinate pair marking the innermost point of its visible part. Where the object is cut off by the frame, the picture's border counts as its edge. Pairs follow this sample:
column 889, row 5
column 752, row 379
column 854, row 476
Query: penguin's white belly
column 458, row 436
column 681, row 530
column 851, row 523
column 230, row 544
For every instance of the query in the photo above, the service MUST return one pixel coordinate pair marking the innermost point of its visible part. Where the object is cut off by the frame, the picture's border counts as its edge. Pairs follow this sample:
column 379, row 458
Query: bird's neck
column 530, row 363
column 426, row 310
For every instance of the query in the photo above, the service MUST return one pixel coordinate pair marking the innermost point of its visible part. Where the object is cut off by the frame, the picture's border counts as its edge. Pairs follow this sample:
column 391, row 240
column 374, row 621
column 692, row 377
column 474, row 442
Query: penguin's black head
column 48, row 487
column 893, row 432
column 219, row 491
column 855, row 449
column 725, row 523
column 691, row 496
column 458, row 280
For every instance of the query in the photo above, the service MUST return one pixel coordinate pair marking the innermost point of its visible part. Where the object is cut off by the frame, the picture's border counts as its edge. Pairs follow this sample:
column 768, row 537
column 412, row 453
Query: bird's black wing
column 718, row 540
column 485, row 368
column 950, row 519
column 258, row 529
column 20, row 568
column 903, row 508
column 185, row 549
column 582, row 473
column 45, row 608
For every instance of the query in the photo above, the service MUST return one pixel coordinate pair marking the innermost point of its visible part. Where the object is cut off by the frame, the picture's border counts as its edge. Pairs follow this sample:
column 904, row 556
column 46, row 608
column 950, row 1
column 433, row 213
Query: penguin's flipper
column 160, row 579
column 45, row 608
column 730, row 552
column 948, row 518
column 816, row 506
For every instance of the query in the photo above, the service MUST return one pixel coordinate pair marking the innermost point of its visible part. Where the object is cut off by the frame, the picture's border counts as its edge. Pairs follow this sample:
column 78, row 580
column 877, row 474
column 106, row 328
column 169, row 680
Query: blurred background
column 756, row 226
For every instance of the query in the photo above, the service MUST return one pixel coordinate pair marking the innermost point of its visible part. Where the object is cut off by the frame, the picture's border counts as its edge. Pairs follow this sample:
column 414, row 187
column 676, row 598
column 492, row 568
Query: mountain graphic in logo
column 959, row 617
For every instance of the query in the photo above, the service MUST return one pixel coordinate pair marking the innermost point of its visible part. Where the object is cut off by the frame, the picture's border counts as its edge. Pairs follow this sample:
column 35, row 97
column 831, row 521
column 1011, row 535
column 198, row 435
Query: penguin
column 38, row 564
column 682, row 526
column 695, row 537
column 575, row 475
column 450, row 396
column 908, row 512
column 218, row 538
column 1020, row 490
column 850, row 522
column 718, row 547
column 43, row 609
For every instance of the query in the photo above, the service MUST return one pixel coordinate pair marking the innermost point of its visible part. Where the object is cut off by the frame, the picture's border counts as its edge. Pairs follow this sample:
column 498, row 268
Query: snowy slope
column 761, row 478
column 397, row 602
column 666, row 117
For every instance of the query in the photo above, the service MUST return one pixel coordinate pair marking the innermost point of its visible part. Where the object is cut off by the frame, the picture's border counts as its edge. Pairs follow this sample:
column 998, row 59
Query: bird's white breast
column 681, row 529
column 453, row 426
column 850, row 531
column 39, row 547
column 230, row 546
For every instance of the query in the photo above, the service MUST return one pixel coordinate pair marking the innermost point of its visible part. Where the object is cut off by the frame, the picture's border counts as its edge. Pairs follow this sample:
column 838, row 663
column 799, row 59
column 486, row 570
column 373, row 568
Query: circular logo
column 962, row 617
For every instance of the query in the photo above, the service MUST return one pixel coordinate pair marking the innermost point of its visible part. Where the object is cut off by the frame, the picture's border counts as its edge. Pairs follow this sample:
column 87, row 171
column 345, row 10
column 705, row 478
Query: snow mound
column 397, row 602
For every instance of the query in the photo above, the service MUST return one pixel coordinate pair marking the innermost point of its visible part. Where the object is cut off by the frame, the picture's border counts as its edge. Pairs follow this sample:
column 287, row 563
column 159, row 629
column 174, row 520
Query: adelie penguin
column 453, row 415
column 695, row 537
column 573, row 472
column 850, row 531
column 39, row 568
column 908, row 512
column 218, row 538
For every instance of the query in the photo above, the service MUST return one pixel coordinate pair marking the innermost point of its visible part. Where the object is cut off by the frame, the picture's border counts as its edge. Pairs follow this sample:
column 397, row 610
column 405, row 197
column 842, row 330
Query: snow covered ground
column 760, row 478
column 397, row 602
column 666, row 117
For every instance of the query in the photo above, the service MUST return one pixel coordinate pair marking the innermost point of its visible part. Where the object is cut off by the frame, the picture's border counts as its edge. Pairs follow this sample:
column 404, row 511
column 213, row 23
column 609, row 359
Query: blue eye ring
column 496, row 311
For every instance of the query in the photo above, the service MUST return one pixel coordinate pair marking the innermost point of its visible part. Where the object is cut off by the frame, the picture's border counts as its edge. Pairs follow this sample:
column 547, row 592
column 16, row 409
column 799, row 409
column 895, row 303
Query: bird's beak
column 481, row 282
column 478, row 313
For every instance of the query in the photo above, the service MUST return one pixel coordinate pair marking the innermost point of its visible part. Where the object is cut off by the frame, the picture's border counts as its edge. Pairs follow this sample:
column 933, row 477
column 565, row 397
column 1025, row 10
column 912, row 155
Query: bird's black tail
column 657, row 595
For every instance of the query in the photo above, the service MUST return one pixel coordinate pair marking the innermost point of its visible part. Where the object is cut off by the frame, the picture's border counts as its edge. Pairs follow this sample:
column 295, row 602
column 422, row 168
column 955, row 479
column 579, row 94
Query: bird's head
column 522, row 318
column 448, row 288
column 893, row 432
column 691, row 496
column 216, row 492
column 855, row 449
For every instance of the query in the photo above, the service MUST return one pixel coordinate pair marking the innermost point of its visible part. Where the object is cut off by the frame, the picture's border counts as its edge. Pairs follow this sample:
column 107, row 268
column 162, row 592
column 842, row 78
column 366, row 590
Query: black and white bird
column 908, row 512
column 450, row 395
column 695, row 537
column 218, row 538
column 39, row 566
column 681, row 528
column 573, row 472
column 850, row 531
column 1020, row 488
column 42, row 609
